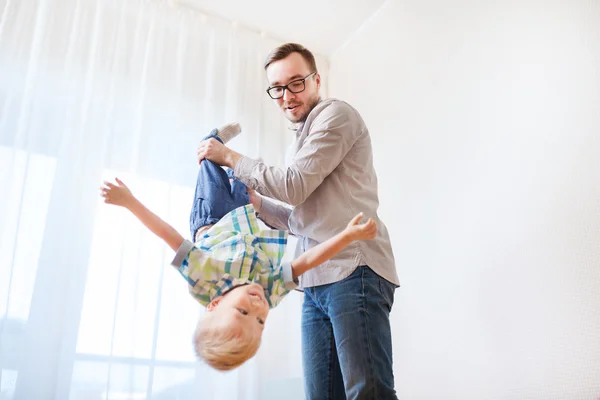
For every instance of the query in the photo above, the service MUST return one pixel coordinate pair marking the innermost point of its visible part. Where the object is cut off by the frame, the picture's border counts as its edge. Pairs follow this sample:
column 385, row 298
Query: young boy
column 233, row 268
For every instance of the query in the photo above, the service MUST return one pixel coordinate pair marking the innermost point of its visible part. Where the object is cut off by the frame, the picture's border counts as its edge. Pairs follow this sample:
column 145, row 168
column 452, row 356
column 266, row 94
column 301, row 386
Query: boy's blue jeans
column 346, row 338
column 215, row 196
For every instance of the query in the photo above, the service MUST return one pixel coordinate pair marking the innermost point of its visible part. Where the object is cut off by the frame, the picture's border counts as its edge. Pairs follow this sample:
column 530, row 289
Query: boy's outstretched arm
column 331, row 247
column 120, row 195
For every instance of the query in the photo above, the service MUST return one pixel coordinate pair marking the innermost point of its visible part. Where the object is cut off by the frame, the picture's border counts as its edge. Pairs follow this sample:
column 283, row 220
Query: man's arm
column 120, row 195
column 333, row 133
column 331, row 247
column 275, row 216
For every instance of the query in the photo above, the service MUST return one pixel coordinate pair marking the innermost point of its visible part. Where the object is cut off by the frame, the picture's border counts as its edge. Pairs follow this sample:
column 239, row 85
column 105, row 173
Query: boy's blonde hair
column 224, row 347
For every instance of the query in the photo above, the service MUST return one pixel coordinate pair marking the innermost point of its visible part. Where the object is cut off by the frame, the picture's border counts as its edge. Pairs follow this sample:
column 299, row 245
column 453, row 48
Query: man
column 346, row 335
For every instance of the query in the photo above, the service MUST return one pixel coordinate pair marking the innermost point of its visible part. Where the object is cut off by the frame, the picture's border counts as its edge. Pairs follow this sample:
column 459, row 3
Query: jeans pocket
column 387, row 292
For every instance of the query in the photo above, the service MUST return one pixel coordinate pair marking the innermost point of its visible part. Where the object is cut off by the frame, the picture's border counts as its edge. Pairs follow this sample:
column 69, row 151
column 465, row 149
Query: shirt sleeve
column 275, row 215
column 280, row 283
column 195, row 268
column 182, row 253
column 332, row 135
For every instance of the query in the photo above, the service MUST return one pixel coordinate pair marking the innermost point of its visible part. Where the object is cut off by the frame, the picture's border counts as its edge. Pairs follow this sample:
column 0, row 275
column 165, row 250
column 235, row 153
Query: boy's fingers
column 370, row 228
column 368, row 224
column 356, row 219
column 109, row 184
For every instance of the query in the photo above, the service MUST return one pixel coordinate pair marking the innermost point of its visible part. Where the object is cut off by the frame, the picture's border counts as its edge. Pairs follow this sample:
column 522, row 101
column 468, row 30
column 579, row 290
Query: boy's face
column 245, row 305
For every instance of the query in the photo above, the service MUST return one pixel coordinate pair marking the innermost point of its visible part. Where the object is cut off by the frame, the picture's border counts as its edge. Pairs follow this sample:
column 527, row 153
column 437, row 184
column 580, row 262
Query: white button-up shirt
column 328, row 179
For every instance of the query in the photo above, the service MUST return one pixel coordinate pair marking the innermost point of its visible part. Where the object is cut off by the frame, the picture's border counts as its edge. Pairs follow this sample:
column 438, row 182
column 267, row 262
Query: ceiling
column 321, row 25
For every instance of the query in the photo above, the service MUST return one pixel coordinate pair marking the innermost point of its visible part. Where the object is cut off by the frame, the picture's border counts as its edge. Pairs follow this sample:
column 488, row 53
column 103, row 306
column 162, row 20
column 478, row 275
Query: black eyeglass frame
column 286, row 87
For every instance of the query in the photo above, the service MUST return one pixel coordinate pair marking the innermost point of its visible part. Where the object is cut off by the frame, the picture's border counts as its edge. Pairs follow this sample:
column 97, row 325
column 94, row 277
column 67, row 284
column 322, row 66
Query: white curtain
column 90, row 90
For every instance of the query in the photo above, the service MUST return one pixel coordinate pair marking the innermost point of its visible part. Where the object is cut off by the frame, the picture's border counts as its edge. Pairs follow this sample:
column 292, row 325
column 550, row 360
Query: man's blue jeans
column 346, row 338
column 215, row 196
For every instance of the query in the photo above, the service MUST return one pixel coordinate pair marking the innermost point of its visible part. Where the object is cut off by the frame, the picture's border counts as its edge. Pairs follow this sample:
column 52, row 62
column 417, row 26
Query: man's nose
column 287, row 95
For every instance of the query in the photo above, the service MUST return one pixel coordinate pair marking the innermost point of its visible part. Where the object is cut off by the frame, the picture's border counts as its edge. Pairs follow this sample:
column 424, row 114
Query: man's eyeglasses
column 296, row 86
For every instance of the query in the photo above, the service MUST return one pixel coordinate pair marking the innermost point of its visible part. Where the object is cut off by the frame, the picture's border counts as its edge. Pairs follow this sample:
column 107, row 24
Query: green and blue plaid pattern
column 235, row 252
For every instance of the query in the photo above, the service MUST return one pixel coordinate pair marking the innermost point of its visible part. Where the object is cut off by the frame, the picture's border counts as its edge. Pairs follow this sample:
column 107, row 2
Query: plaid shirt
column 235, row 252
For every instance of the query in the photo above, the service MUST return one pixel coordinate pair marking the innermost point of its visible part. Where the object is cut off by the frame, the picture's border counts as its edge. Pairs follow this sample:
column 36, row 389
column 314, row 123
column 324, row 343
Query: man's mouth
column 292, row 107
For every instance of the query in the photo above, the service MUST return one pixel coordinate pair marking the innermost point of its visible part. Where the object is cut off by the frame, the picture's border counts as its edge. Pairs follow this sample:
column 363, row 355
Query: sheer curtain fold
column 90, row 90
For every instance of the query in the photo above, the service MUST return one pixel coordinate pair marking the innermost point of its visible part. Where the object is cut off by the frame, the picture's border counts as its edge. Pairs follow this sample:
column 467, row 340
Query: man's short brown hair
column 285, row 50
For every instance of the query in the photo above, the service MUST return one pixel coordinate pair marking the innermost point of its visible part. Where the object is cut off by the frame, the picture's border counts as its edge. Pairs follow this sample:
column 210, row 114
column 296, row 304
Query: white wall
column 485, row 118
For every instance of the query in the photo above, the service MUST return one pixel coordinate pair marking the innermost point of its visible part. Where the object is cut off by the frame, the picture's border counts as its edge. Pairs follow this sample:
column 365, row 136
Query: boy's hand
column 119, row 194
column 358, row 231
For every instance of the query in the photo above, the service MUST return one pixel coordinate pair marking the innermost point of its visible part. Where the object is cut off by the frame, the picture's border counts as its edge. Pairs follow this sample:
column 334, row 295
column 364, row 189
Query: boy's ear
column 214, row 303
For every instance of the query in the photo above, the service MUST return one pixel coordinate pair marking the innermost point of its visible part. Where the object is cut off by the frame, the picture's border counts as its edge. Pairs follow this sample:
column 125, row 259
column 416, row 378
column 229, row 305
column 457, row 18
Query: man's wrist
column 257, row 203
column 233, row 158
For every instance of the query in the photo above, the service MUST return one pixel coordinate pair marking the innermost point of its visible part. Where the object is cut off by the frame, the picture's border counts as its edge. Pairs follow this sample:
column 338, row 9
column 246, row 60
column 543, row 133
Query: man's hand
column 218, row 153
column 357, row 231
column 118, row 194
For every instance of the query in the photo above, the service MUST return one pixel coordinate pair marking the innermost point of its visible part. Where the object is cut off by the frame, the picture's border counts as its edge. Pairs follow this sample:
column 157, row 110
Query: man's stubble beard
column 311, row 106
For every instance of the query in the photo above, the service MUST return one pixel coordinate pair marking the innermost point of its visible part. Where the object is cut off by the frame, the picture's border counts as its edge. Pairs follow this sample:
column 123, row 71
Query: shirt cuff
column 267, row 207
column 182, row 253
column 288, row 276
column 243, row 171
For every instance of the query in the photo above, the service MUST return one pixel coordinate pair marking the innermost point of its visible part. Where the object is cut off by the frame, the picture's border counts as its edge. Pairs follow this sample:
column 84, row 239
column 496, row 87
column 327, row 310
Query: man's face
column 295, row 106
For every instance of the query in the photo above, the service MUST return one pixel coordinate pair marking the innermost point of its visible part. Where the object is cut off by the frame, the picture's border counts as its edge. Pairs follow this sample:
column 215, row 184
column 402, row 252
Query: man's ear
column 214, row 303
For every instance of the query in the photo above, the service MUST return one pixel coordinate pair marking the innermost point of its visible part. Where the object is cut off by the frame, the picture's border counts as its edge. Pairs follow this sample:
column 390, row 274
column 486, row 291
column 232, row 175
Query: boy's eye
column 260, row 321
column 243, row 312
